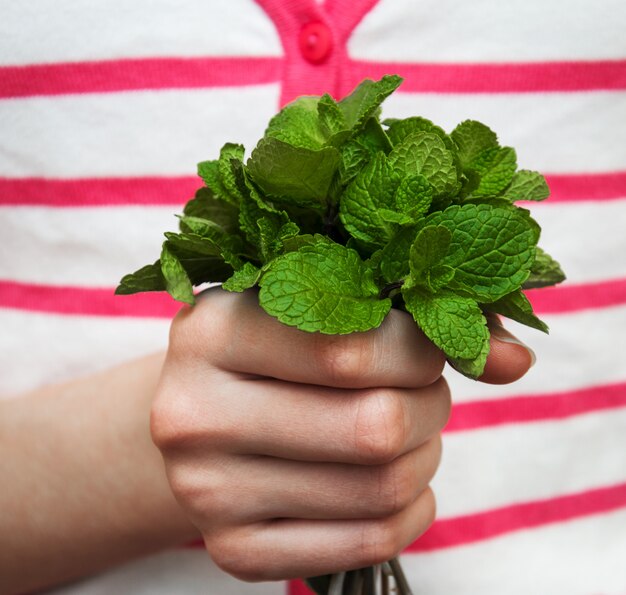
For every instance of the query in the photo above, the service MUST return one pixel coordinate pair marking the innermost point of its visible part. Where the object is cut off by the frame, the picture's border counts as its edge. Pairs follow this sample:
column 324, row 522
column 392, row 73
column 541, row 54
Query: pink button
column 316, row 42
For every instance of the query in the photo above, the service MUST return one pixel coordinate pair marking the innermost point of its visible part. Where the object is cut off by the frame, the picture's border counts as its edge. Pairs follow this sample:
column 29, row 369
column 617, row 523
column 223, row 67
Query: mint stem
column 387, row 289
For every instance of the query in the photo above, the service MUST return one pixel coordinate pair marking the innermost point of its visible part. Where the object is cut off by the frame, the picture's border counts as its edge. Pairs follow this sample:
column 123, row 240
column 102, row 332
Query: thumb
column 509, row 359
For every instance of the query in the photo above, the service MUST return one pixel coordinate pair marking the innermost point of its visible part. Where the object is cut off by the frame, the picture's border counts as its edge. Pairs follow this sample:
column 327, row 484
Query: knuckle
column 380, row 427
column 398, row 486
column 379, row 542
column 184, row 486
column 345, row 359
column 429, row 502
column 232, row 555
column 174, row 421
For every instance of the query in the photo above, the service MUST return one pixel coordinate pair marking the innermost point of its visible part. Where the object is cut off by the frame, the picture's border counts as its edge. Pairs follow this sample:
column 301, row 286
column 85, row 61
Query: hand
column 300, row 454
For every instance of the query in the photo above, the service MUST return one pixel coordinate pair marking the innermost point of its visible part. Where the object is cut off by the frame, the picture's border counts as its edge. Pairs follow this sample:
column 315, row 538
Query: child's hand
column 300, row 454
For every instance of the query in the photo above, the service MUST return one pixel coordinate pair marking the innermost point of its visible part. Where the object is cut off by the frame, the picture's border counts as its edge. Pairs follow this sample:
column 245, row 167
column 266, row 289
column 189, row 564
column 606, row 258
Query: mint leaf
column 177, row 281
column 491, row 249
column 414, row 196
column 265, row 226
column 495, row 167
column 331, row 119
column 243, row 279
column 427, row 251
column 205, row 206
column 372, row 190
column 148, row 278
column 364, row 102
column 357, row 152
column 354, row 157
column 516, row 306
column 398, row 130
column 229, row 246
column 298, row 124
column 394, row 262
column 527, row 185
column 472, row 368
column 472, row 138
column 426, row 154
column 455, row 324
column 544, row 272
column 219, row 176
column 200, row 257
column 322, row 287
column 304, row 175
column 429, row 248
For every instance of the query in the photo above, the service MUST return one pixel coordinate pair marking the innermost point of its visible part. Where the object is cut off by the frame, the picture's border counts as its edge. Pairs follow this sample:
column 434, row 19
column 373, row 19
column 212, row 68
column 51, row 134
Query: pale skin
column 291, row 454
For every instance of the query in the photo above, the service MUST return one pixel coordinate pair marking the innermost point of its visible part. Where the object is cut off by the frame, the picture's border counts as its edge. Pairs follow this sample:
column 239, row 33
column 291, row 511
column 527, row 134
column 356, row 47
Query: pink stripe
column 531, row 408
column 499, row 78
column 85, row 301
column 571, row 297
column 582, row 187
column 176, row 73
column 136, row 74
column 298, row 588
column 175, row 190
column 472, row 528
column 102, row 302
column 96, row 192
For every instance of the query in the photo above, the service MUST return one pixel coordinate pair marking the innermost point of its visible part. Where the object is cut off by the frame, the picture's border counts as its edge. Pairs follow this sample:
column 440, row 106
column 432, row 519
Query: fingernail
column 501, row 334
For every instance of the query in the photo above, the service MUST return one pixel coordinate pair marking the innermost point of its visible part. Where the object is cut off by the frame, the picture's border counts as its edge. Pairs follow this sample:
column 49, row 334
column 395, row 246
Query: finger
column 286, row 548
column 271, row 488
column 395, row 354
column 509, row 359
column 302, row 422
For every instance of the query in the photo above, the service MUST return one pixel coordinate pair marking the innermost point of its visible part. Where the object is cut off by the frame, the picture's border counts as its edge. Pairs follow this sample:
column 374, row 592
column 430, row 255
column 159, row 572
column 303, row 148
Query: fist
column 299, row 454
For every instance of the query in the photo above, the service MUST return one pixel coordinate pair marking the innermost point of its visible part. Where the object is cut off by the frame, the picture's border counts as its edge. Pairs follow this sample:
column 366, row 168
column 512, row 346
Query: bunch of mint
column 338, row 216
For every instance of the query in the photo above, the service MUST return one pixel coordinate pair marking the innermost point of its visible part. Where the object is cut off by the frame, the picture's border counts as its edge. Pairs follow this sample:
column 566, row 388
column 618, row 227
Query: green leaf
column 472, row 368
column 424, row 153
column 229, row 246
column 322, row 287
column 472, row 138
column 205, row 206
column 200, row 257
column 427, row 251
column 364, row 102
column 177, row 281
column 414, row 196
column 429, row 248
column 218, row 175
column 394, row 263
column 354, row 157
column 398, row 130
column 454, row 324
column 516, row 306
column 544, row 272
column 394, row 217
column 243, row 279
column 496, row 167
column 265, row 226
column 374, row 137
column 372, row 190
column 492, row 248
column 298, row 124
column 527, row 185
column 148, row 278
column 331, row 118
column 303, row 175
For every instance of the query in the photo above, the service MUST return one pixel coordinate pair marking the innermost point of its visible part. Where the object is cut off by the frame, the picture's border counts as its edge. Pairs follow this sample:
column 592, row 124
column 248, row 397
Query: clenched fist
column 300, row 454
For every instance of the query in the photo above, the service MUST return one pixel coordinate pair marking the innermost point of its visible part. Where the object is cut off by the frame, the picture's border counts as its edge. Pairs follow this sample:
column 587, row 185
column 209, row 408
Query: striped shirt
column 105, row 108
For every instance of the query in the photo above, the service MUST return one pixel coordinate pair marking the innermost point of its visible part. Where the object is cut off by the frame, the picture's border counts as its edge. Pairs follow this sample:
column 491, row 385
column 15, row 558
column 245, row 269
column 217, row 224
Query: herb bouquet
column 339, row 217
